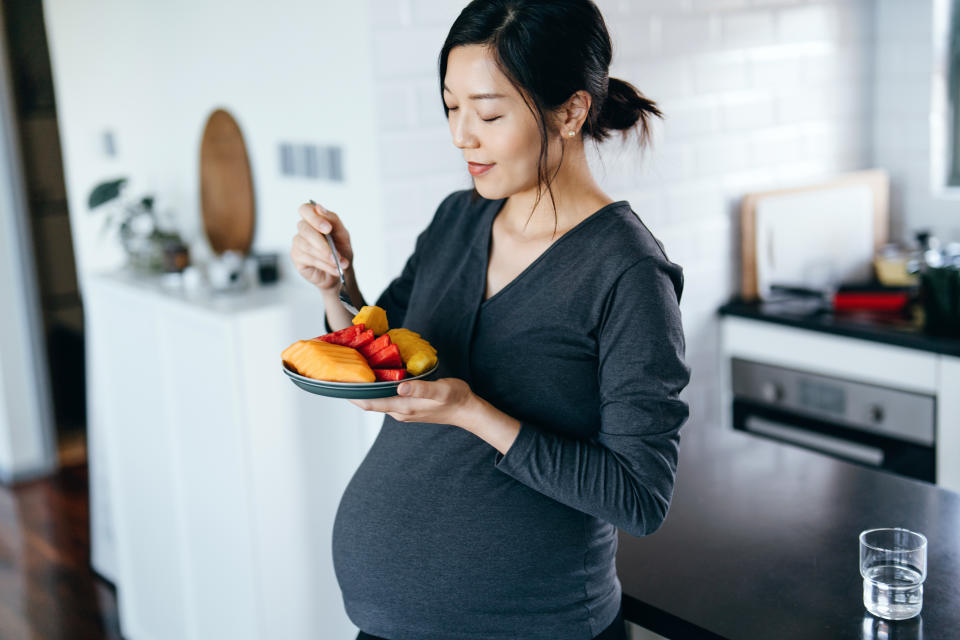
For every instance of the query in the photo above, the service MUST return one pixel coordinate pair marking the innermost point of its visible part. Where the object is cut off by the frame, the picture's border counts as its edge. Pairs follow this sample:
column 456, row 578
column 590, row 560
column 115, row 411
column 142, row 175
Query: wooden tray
column 226, row 187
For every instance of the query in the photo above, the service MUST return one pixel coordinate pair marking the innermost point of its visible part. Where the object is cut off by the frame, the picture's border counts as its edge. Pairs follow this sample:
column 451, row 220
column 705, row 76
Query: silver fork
column 342, row 293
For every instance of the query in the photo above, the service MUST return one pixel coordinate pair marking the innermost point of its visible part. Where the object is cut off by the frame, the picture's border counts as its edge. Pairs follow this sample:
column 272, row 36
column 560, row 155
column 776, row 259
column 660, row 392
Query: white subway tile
column 394, row 107
column 389, row 13
column 700, row 6
column 748, row 29
column 436, row 12
column 429, row 104
column 636, row 37
column 809, row 23
column 737, row 183
column 774, row 73
column 670, row 162
column 691, row 202
column 417, row 153
column 681, row 34
column 659, row 80
column 691, row 117
column 721, row 72
column 407, row 52
column 777, row 145
column 748, row 110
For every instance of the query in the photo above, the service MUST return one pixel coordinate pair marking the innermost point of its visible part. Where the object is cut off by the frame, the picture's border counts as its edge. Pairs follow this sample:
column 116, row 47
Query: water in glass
column 892, row 591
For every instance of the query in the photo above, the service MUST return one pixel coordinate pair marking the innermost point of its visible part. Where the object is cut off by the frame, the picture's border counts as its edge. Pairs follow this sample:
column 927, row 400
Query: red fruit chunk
column 361, row 340
column 390, row 375
column 386, row 358
column 380, row 343
column 344, row 336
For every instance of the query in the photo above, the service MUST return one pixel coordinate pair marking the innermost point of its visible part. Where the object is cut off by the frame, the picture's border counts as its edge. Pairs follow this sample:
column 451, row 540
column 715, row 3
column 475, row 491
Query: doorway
column 62, row 310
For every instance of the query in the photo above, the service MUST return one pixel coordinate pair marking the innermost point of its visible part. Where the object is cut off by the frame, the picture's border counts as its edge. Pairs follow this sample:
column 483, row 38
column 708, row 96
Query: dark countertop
column 807, row 313
column 761, row 542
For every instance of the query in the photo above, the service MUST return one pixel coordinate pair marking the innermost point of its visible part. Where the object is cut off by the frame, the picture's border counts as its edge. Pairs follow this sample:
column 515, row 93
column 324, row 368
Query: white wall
column 757, row 94
column 291, row 71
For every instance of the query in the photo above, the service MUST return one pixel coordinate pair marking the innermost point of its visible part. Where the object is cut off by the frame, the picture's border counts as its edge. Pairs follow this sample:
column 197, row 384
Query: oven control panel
column 890, row 412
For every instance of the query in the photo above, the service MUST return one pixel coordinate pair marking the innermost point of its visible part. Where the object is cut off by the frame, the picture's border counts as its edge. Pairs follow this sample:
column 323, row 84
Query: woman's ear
column 574, row 113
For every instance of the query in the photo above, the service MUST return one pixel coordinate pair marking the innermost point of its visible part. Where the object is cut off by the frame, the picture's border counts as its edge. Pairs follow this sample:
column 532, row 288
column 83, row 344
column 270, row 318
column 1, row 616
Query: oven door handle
column 827, row 444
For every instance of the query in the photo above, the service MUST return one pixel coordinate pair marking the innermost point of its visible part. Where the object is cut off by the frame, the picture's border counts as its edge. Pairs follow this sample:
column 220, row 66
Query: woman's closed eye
column 491, row 119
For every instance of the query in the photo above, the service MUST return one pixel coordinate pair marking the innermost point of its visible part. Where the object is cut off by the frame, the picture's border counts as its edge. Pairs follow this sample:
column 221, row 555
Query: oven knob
column 876, row 413
column 772, row 392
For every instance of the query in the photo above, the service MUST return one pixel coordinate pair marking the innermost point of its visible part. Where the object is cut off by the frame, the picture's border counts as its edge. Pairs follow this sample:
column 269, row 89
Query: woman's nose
column 463, row 136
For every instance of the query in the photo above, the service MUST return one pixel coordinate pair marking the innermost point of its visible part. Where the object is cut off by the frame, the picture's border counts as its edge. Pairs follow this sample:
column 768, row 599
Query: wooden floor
column 47, row 589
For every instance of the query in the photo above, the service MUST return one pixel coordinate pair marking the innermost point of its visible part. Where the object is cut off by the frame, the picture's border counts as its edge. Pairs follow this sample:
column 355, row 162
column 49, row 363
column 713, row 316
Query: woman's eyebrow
column 480, row 96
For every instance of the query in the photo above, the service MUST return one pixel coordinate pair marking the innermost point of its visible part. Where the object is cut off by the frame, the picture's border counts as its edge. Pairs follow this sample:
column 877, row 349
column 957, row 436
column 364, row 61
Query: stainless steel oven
column 891, row 429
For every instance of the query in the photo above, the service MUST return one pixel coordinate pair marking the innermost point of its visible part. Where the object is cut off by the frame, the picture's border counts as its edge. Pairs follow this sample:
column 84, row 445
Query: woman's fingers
column 339, row 230
column 321, row 221
column 318, row 244
column 312, row 216
column 307, row 255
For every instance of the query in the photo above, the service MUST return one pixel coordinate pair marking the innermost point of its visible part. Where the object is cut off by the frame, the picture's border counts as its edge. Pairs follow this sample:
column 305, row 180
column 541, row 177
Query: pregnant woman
column 488, row 506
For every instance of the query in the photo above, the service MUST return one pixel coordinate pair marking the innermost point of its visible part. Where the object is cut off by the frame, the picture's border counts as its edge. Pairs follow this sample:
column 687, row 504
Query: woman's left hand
column 444, row 401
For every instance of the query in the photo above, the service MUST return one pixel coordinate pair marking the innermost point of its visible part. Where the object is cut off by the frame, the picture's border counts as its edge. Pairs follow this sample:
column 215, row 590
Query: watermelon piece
column 386, row 358
column 344, row 336
column 361, row 340
column 376, row 345
column 390, row 375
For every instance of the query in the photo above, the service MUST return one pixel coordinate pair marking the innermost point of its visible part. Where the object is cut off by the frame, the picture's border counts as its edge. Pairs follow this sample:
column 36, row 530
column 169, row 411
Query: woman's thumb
column 413, row 390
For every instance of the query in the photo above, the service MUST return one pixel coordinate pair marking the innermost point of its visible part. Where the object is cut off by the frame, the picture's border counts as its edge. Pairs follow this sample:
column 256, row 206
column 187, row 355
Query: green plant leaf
column 105, row 192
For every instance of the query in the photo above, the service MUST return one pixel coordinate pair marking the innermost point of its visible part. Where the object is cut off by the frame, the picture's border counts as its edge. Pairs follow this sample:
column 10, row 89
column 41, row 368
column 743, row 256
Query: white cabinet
column 855, row 359
column 214, row 481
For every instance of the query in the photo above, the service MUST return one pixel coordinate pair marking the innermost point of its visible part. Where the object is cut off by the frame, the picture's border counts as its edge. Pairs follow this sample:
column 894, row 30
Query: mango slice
column 325, row 361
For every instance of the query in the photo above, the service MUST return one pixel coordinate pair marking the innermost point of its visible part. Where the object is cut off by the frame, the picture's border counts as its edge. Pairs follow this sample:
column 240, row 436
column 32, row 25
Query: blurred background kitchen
column 164, row 480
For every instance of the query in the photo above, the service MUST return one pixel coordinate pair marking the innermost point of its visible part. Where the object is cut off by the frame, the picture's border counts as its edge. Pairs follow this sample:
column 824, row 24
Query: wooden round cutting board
column 226, row 187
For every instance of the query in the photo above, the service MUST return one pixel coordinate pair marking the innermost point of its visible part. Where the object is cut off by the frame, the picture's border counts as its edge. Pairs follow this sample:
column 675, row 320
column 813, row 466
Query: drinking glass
column 893, row 563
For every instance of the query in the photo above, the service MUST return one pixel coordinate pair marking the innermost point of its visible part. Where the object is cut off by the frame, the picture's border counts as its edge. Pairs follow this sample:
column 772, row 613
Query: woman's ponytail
column 624, row 108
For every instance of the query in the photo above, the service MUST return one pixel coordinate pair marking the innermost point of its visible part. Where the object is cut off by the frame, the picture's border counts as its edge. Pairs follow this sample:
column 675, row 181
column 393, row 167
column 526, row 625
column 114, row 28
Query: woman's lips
column 477, row 169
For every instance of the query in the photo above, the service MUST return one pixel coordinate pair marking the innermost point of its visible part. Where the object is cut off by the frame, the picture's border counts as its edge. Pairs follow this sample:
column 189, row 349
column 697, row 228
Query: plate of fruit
column 368, row 359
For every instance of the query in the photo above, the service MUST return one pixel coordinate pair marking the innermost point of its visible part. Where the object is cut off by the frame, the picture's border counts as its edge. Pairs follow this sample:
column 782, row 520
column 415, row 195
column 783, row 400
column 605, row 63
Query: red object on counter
column 870, row 301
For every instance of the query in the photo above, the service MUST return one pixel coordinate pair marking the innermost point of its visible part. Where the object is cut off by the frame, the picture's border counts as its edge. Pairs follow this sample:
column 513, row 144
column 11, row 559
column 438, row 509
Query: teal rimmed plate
column 351, row 390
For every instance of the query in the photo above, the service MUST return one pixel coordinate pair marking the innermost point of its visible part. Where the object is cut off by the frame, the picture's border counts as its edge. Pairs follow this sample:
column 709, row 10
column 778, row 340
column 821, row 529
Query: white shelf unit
column 214, row 481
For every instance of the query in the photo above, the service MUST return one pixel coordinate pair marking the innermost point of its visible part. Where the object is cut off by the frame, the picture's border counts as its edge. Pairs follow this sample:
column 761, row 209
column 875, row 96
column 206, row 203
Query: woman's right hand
column 311, row 253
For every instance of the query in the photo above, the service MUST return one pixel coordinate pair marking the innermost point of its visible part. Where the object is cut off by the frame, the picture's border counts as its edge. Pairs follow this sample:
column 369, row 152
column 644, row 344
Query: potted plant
column 141, row 236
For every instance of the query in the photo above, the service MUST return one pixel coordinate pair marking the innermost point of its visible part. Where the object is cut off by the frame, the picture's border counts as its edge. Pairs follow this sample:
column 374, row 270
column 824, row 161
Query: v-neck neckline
column 488, row 241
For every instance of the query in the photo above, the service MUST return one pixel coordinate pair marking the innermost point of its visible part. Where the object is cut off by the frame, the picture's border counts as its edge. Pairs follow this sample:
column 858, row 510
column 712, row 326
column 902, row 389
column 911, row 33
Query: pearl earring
column 571, row 133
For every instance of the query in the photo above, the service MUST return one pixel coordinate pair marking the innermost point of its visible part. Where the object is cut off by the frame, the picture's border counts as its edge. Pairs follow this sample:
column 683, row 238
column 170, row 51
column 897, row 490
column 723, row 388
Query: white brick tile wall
column 748, row 29
column 720, row 72
column 757, row 94
column 813, row 23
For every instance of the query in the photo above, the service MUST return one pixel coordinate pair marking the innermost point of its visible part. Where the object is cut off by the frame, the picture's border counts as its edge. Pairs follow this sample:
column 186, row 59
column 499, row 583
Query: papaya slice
column 327, row 361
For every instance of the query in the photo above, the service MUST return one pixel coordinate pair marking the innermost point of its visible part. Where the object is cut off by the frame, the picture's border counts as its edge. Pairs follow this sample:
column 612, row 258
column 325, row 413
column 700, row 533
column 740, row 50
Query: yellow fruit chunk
column 324, row 361
column 420, row 362
column 406, row 337
column 374, row 318
column 418, row 354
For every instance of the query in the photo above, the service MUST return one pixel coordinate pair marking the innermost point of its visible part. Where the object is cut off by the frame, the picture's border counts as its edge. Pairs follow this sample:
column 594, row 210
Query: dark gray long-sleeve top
column 440, row 537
